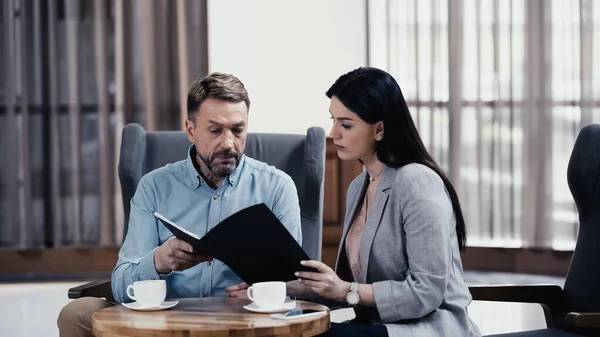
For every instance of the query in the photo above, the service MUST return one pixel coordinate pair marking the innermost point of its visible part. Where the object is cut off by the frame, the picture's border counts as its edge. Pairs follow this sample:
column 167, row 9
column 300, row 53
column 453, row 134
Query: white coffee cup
column 149, row 293
column 268, row 295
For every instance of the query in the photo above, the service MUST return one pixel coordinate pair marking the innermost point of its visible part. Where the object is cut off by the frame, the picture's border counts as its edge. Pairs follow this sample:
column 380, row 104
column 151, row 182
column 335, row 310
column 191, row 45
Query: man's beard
column 221, row 170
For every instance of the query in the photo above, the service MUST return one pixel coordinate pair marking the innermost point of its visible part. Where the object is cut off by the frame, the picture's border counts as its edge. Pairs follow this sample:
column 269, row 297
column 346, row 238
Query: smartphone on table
column 296, row 314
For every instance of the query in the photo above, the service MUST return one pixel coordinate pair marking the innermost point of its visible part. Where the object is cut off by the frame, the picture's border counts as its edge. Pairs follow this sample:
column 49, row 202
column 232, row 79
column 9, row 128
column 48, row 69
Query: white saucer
column 164, row 305
column 287, row 306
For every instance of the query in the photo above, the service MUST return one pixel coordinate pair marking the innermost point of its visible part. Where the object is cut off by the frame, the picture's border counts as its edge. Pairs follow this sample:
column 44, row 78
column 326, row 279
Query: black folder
column 252, row 242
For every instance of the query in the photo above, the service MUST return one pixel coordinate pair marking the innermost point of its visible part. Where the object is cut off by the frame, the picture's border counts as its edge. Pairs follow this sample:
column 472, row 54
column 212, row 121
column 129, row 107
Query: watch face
column 352, row 298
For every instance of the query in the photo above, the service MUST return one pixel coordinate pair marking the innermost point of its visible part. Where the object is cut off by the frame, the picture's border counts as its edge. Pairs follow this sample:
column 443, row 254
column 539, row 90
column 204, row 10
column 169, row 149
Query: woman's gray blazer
column 409, row 253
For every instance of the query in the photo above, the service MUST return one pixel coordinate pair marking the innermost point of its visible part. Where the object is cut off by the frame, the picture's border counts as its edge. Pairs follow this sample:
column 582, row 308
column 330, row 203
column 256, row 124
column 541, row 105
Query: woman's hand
column 325, row 282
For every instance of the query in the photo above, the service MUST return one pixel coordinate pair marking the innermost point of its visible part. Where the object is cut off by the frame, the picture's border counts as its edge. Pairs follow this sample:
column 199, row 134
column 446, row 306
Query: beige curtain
column 74, row 72
column 499, row 90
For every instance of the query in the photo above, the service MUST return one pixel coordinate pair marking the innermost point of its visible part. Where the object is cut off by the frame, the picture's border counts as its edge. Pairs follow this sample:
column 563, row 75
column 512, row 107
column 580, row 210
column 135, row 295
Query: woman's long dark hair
column 375, row 96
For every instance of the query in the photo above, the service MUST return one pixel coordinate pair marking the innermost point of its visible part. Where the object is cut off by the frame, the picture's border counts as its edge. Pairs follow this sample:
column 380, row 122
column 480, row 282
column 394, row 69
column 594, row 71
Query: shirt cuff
column 147, row 269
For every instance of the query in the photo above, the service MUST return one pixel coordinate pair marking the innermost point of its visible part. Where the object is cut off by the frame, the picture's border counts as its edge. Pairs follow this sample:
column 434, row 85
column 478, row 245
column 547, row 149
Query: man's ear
column 190, row 130
column 379, row 131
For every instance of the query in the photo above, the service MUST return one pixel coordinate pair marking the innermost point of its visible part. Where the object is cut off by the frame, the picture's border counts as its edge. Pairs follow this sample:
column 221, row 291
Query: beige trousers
column 75, row 318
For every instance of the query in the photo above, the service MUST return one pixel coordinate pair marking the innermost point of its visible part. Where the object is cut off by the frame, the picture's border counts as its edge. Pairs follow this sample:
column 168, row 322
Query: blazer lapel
column 374, row 219
column 348, row 220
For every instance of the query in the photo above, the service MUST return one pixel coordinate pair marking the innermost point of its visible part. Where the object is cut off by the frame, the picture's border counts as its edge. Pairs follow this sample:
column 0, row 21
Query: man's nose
column 227, row 142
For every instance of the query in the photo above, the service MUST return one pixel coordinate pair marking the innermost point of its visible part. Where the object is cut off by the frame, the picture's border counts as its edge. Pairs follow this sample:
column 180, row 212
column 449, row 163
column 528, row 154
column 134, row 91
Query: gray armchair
column 300, row 156
column 575, row 309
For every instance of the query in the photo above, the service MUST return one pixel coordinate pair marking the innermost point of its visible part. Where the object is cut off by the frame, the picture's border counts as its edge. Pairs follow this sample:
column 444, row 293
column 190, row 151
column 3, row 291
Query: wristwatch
column 352, row 296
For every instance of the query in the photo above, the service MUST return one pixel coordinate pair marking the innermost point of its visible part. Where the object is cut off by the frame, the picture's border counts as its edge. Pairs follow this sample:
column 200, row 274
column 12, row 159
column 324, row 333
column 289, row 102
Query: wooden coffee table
column 214, row 316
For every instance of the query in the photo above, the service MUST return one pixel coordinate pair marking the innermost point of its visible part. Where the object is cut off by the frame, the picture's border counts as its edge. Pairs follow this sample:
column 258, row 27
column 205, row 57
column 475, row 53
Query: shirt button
column 209, row 263
column 153, row 278
column 215, row 197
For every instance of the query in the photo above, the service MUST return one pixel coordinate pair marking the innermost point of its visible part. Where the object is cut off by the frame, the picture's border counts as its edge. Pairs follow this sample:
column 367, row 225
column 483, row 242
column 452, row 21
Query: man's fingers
column 184, row 256
column 237, row 291
column 202, row 258
column 182, row 245
column 238, row 294
column 180, row 255
column 237, row 287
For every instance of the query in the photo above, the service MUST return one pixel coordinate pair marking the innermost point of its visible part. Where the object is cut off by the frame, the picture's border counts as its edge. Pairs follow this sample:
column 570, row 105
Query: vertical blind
column 499, row 90
column 73, row 73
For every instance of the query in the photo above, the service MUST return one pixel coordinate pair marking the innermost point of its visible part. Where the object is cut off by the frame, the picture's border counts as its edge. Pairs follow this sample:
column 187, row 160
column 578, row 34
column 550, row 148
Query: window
column 518, row 118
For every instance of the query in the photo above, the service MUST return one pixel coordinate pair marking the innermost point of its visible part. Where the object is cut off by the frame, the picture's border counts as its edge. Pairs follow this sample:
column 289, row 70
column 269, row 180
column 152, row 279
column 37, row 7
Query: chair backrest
column 582, row 285
column 302, row 157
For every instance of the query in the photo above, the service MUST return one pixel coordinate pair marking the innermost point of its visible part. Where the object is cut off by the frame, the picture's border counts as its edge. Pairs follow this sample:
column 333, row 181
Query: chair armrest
column 547, row 296
column 583, row 319
column 543, row 294
column 92, row 289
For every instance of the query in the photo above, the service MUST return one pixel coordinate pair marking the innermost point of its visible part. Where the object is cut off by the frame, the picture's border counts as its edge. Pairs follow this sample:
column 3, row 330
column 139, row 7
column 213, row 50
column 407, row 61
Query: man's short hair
column 217, row 85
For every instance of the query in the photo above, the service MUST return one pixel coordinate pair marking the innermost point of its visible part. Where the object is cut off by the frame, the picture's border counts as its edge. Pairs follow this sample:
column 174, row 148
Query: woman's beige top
column 356, row 230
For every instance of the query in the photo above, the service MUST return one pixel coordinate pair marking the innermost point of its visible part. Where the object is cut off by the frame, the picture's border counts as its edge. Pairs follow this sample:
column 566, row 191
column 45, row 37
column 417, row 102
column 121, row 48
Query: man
column 214, row 182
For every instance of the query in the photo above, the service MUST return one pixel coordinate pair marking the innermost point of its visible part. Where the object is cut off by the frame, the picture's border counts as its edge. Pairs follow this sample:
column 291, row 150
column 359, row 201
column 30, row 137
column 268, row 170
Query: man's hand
column 176, row 255
column 301, row 291
column 238, row 291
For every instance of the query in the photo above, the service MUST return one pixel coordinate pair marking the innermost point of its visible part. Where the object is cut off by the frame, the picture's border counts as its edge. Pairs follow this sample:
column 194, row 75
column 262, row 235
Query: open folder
column 252, row 242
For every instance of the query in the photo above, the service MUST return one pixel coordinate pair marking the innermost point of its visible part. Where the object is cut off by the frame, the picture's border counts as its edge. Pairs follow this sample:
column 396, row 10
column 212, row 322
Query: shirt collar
column 197, row 179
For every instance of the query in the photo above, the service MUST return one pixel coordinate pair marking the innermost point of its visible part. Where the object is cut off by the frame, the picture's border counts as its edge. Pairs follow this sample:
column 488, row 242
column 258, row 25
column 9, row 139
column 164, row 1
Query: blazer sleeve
column 427, row 222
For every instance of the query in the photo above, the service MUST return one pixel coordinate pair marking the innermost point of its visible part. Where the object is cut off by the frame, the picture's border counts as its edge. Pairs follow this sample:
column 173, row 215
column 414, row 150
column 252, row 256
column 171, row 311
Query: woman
column 399, row 259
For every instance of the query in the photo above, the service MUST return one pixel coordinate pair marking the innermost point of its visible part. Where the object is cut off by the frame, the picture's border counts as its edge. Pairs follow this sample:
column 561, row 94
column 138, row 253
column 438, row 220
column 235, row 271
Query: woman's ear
column 379, row 131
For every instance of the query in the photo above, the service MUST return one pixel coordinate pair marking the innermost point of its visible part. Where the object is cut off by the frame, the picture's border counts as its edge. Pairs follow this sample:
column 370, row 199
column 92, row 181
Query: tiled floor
column 31, row 309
